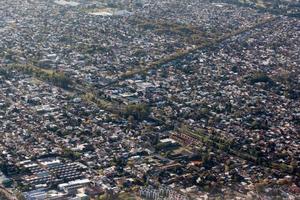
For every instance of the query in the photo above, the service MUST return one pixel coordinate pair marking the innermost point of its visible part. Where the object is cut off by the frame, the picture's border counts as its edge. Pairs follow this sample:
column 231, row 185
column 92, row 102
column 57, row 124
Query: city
column 146, row 99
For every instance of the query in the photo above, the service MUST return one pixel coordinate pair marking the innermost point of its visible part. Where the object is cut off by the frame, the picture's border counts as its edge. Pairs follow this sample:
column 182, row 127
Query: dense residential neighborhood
column 146, row 99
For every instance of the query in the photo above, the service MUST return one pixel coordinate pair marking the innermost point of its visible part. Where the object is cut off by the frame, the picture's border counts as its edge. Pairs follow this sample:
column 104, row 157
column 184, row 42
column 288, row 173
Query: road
column 8, row 195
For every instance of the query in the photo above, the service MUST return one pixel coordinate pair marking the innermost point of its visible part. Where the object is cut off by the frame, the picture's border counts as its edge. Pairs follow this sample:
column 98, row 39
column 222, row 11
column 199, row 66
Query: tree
column 60, row 80
column 137, row 111
column 7, row 183
column 234, row 69
column 260, row 77
column 72, row 155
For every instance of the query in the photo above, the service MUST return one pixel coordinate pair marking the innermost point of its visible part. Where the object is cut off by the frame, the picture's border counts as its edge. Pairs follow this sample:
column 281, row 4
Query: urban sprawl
column 148, row 99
